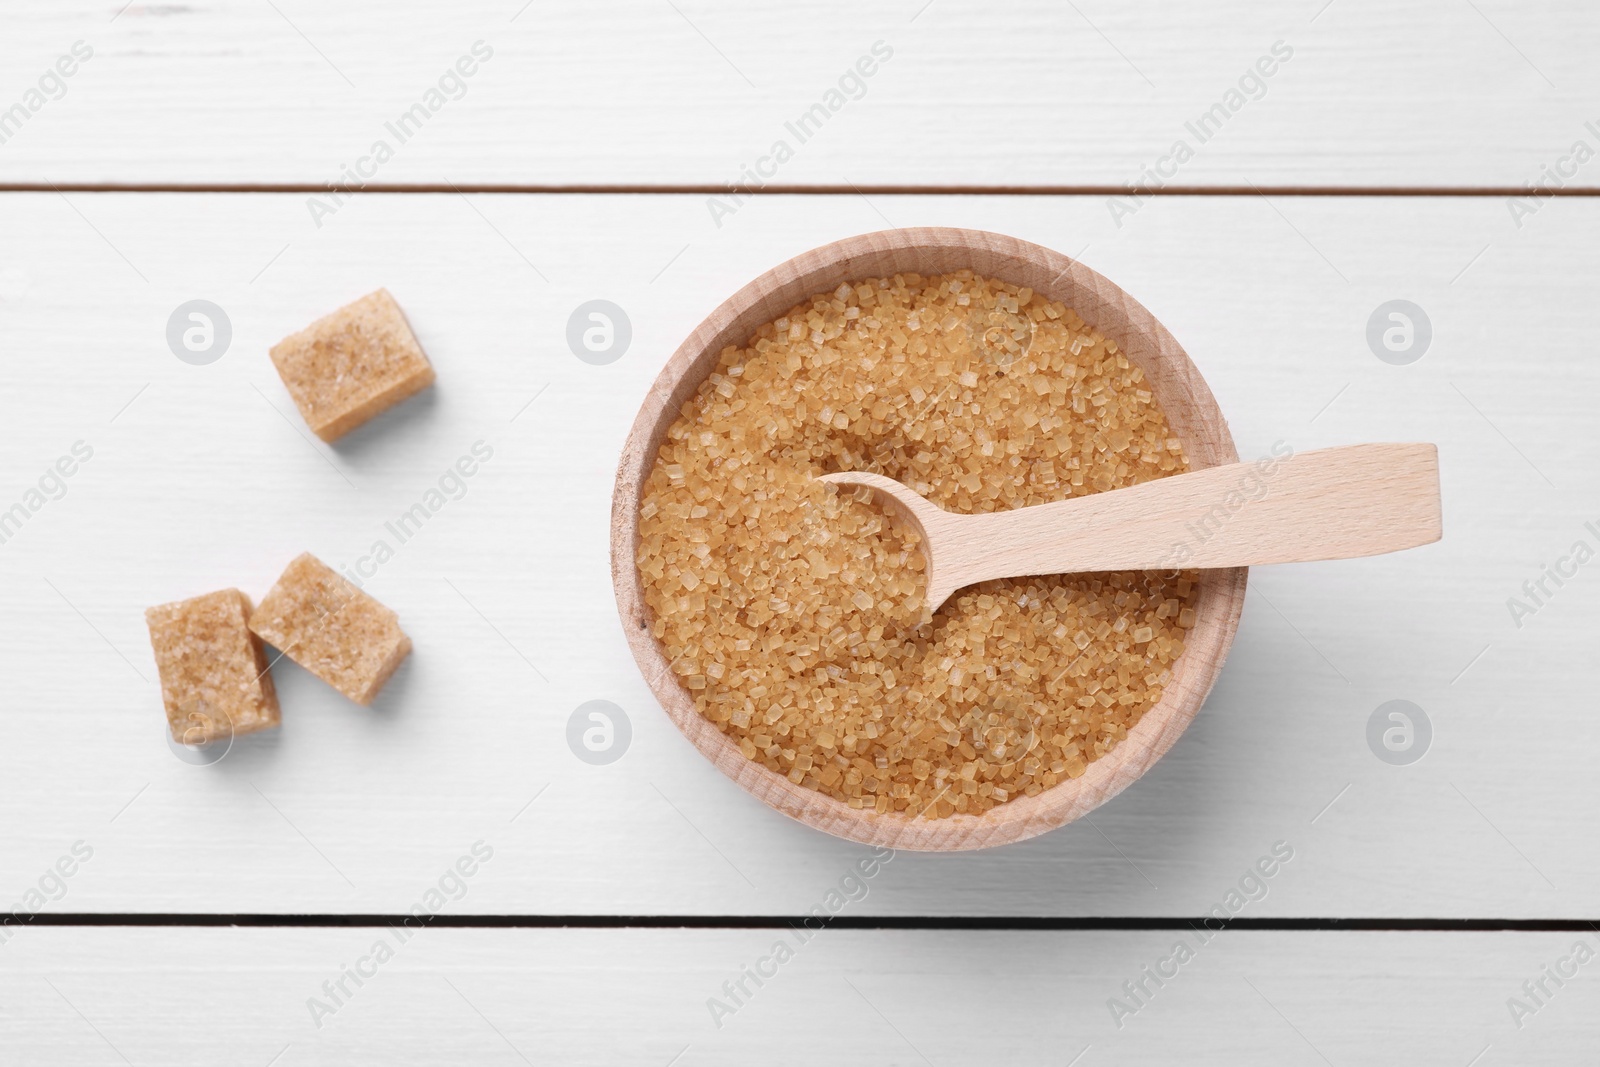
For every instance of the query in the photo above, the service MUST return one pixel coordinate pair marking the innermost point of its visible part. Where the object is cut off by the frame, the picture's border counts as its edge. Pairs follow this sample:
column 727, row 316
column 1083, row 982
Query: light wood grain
column 638, row 92
column 869, row 998
column 1334, row 503
column 200, row 482
column 1179, row 389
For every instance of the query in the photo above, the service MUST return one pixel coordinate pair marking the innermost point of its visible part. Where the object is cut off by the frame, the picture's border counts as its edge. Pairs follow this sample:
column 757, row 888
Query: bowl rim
column 1196, row 419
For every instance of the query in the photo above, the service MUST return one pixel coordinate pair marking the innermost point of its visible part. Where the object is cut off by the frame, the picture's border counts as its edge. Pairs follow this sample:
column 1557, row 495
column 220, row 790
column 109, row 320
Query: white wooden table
column 587, row 157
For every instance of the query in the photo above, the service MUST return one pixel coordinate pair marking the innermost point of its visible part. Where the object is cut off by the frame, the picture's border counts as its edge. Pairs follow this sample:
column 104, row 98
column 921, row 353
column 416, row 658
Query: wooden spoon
column 1334, row 503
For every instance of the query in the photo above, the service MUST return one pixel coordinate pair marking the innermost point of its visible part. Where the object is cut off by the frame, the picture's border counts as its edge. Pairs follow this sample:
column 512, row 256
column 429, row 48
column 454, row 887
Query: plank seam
column 1484, row 191
column 917, row 922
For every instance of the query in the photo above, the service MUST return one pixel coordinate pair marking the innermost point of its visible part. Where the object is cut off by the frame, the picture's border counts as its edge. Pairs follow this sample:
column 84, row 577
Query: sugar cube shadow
column 403, row 420
column 291, row 676
column 295, row 687
column 251, row 753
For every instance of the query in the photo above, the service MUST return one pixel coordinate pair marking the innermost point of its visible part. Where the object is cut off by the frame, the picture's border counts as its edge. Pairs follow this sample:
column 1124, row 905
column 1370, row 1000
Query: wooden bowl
column 1191, row 411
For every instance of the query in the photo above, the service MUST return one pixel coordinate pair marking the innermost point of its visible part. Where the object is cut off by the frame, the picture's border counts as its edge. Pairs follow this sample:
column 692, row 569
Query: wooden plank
column 81, row 996
column 636, row 92
column 203, row 477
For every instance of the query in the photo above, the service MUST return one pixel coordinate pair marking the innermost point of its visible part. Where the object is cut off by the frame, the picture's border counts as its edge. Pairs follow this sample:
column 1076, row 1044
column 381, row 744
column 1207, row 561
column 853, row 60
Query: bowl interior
column 1191, row 411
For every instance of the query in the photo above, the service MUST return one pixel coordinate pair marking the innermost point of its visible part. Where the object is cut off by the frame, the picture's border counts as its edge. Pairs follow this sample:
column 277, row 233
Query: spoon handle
column 1334, row 503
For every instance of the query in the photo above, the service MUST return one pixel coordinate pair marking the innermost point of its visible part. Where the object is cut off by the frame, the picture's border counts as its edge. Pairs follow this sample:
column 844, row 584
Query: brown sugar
column 352, row 365
column 214, row 678
column 323, row 622
column 792, row 612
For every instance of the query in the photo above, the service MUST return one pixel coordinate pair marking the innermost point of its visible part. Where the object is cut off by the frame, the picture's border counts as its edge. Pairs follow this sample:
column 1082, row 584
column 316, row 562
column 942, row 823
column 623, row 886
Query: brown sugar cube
column 352, row 365
column 214, row 679
column 320, row 620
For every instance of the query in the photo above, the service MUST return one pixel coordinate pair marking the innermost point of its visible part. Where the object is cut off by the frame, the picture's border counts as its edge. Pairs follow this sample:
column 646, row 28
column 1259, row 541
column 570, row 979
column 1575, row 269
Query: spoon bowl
column 1192, row 415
